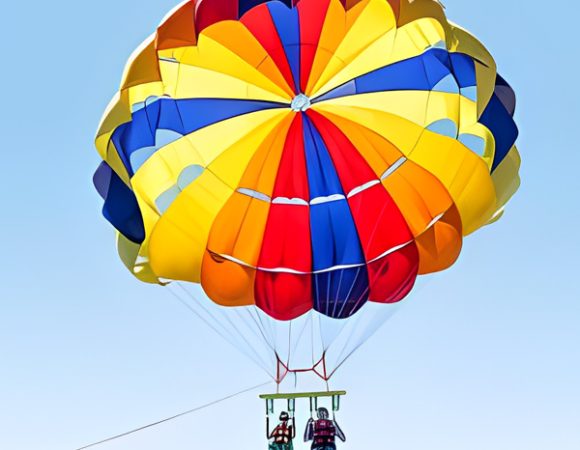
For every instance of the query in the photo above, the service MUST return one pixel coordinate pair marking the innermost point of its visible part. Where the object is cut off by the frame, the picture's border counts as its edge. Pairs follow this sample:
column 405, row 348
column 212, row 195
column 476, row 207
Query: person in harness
column 283, row 434
column 323, row 431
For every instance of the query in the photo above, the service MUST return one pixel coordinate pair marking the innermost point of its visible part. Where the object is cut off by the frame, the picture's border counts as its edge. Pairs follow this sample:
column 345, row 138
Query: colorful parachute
column 305, row 158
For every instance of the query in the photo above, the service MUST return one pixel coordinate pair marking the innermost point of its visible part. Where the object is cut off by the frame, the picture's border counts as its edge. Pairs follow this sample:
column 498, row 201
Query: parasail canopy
column 306, row 157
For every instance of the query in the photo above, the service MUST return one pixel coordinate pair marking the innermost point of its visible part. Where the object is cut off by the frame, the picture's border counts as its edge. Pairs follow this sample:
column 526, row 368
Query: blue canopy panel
column 503, row 127
column 181, row 117
column 435, row 69
column 506, row 94
column 439, row 70
column 338, row 292
column 463, row 69
column 246, row 5
column 287, row 24
column 121, row 208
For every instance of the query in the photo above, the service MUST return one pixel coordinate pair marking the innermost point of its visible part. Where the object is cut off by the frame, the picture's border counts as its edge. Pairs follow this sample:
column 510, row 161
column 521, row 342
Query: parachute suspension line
column 260, row 327
column 377, row 325
column 325, row 376
column 350, row 291
column 176, row 416
column 256, row 358
column 294, row 343
column 300, row 335
column 340, row 359
column 324, row 346
column 312, row 335
column 233, row 332
column 248, row 344
column 245, row 321
column 354, row 328
column 363, row 296
column 321, row 335
column 268, row 331
column 254, row 318
column 214, row 323
column 199, row 303
column 248, row 319
column 337, row 294
column 360, row 344
column 327, row 308
column 316, row 299
column 215, row 328
column 289, row 343
column 279, row 376
column 353, row 324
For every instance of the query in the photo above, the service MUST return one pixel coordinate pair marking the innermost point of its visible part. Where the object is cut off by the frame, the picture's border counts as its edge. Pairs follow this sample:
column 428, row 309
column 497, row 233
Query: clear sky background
column 487, row 356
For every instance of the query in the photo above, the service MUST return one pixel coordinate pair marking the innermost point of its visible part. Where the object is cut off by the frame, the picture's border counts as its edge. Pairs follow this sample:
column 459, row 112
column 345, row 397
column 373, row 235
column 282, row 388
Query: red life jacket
column 282, row 434
column 324, row 432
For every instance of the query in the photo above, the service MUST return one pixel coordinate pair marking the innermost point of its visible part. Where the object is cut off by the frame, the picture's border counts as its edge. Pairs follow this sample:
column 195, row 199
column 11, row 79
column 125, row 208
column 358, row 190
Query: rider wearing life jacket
column 283, row 434
column 322, row 432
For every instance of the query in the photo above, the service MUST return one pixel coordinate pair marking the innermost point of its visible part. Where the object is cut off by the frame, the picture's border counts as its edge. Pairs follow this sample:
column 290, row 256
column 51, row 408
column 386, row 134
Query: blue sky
column 486, row 356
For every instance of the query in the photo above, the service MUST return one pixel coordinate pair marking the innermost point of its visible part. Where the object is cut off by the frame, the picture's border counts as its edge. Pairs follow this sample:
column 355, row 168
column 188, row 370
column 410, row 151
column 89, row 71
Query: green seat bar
column 302, row 395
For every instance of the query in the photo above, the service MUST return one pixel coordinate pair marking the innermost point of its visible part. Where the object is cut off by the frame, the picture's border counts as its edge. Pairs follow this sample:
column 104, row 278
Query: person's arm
column 309, row 431
column 268, row 426
column 339, row 432
column 293, row 426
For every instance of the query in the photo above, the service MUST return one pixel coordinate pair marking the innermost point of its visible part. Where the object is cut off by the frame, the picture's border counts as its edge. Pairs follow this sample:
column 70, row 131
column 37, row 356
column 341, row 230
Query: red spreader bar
column 319, row 369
